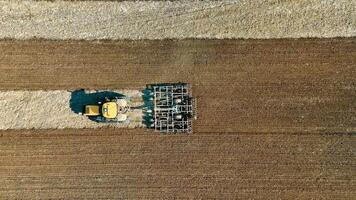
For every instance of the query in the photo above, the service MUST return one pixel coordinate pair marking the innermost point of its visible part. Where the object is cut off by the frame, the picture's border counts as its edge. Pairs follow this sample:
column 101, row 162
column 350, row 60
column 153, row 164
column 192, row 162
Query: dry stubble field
column 276, row 119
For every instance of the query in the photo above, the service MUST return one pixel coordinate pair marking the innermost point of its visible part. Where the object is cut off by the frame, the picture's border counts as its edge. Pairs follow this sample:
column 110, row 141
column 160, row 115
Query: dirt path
column 279, row 86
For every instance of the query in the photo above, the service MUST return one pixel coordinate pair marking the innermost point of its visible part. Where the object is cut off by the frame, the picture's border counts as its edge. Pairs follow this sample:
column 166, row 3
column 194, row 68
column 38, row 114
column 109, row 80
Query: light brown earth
column 58, row 109
column 90, row 20
column 276, row 119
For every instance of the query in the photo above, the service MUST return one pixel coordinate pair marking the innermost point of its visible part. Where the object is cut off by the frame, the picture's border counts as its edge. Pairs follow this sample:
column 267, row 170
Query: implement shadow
column 148, row 107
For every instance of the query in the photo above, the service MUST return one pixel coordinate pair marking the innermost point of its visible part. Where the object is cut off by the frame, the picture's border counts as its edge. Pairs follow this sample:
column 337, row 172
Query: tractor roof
column 109, row 110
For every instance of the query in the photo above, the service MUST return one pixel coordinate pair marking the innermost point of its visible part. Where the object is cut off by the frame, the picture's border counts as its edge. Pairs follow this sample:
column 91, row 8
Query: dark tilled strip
column 263, row 86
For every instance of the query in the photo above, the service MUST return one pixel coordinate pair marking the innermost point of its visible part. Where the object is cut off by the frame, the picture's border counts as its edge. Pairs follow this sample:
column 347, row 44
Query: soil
column 276, row 120
column 59, row 109
column 117, row 163
column 92, row 20
column 264, row 86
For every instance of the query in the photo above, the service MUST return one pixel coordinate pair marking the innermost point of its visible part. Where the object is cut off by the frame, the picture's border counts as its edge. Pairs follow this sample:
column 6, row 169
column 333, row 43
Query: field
column 241, row 85
column 96, row 164
column 84, row 20
column 276, row 119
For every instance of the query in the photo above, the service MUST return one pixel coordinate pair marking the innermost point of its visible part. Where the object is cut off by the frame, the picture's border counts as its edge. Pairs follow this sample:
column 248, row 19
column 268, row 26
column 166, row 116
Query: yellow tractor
column 112, row 110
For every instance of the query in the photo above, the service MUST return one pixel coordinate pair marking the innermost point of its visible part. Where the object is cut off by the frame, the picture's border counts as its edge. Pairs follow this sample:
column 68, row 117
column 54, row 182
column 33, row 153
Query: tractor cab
column 109, row 110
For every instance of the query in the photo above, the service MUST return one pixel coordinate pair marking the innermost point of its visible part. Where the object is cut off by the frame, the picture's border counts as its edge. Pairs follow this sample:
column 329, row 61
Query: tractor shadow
column 80, row 98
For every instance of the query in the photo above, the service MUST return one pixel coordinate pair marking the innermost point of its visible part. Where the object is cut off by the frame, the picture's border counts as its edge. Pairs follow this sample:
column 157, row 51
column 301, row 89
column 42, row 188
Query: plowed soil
column 112, row 163
column 276, row 119
column 241, row 85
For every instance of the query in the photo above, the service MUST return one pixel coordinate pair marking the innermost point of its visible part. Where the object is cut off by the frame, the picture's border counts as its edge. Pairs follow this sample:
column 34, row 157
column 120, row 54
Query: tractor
column 110, row 111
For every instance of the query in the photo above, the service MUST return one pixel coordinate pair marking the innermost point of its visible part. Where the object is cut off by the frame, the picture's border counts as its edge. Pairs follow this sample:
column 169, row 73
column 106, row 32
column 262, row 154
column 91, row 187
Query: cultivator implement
column 171, row 108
